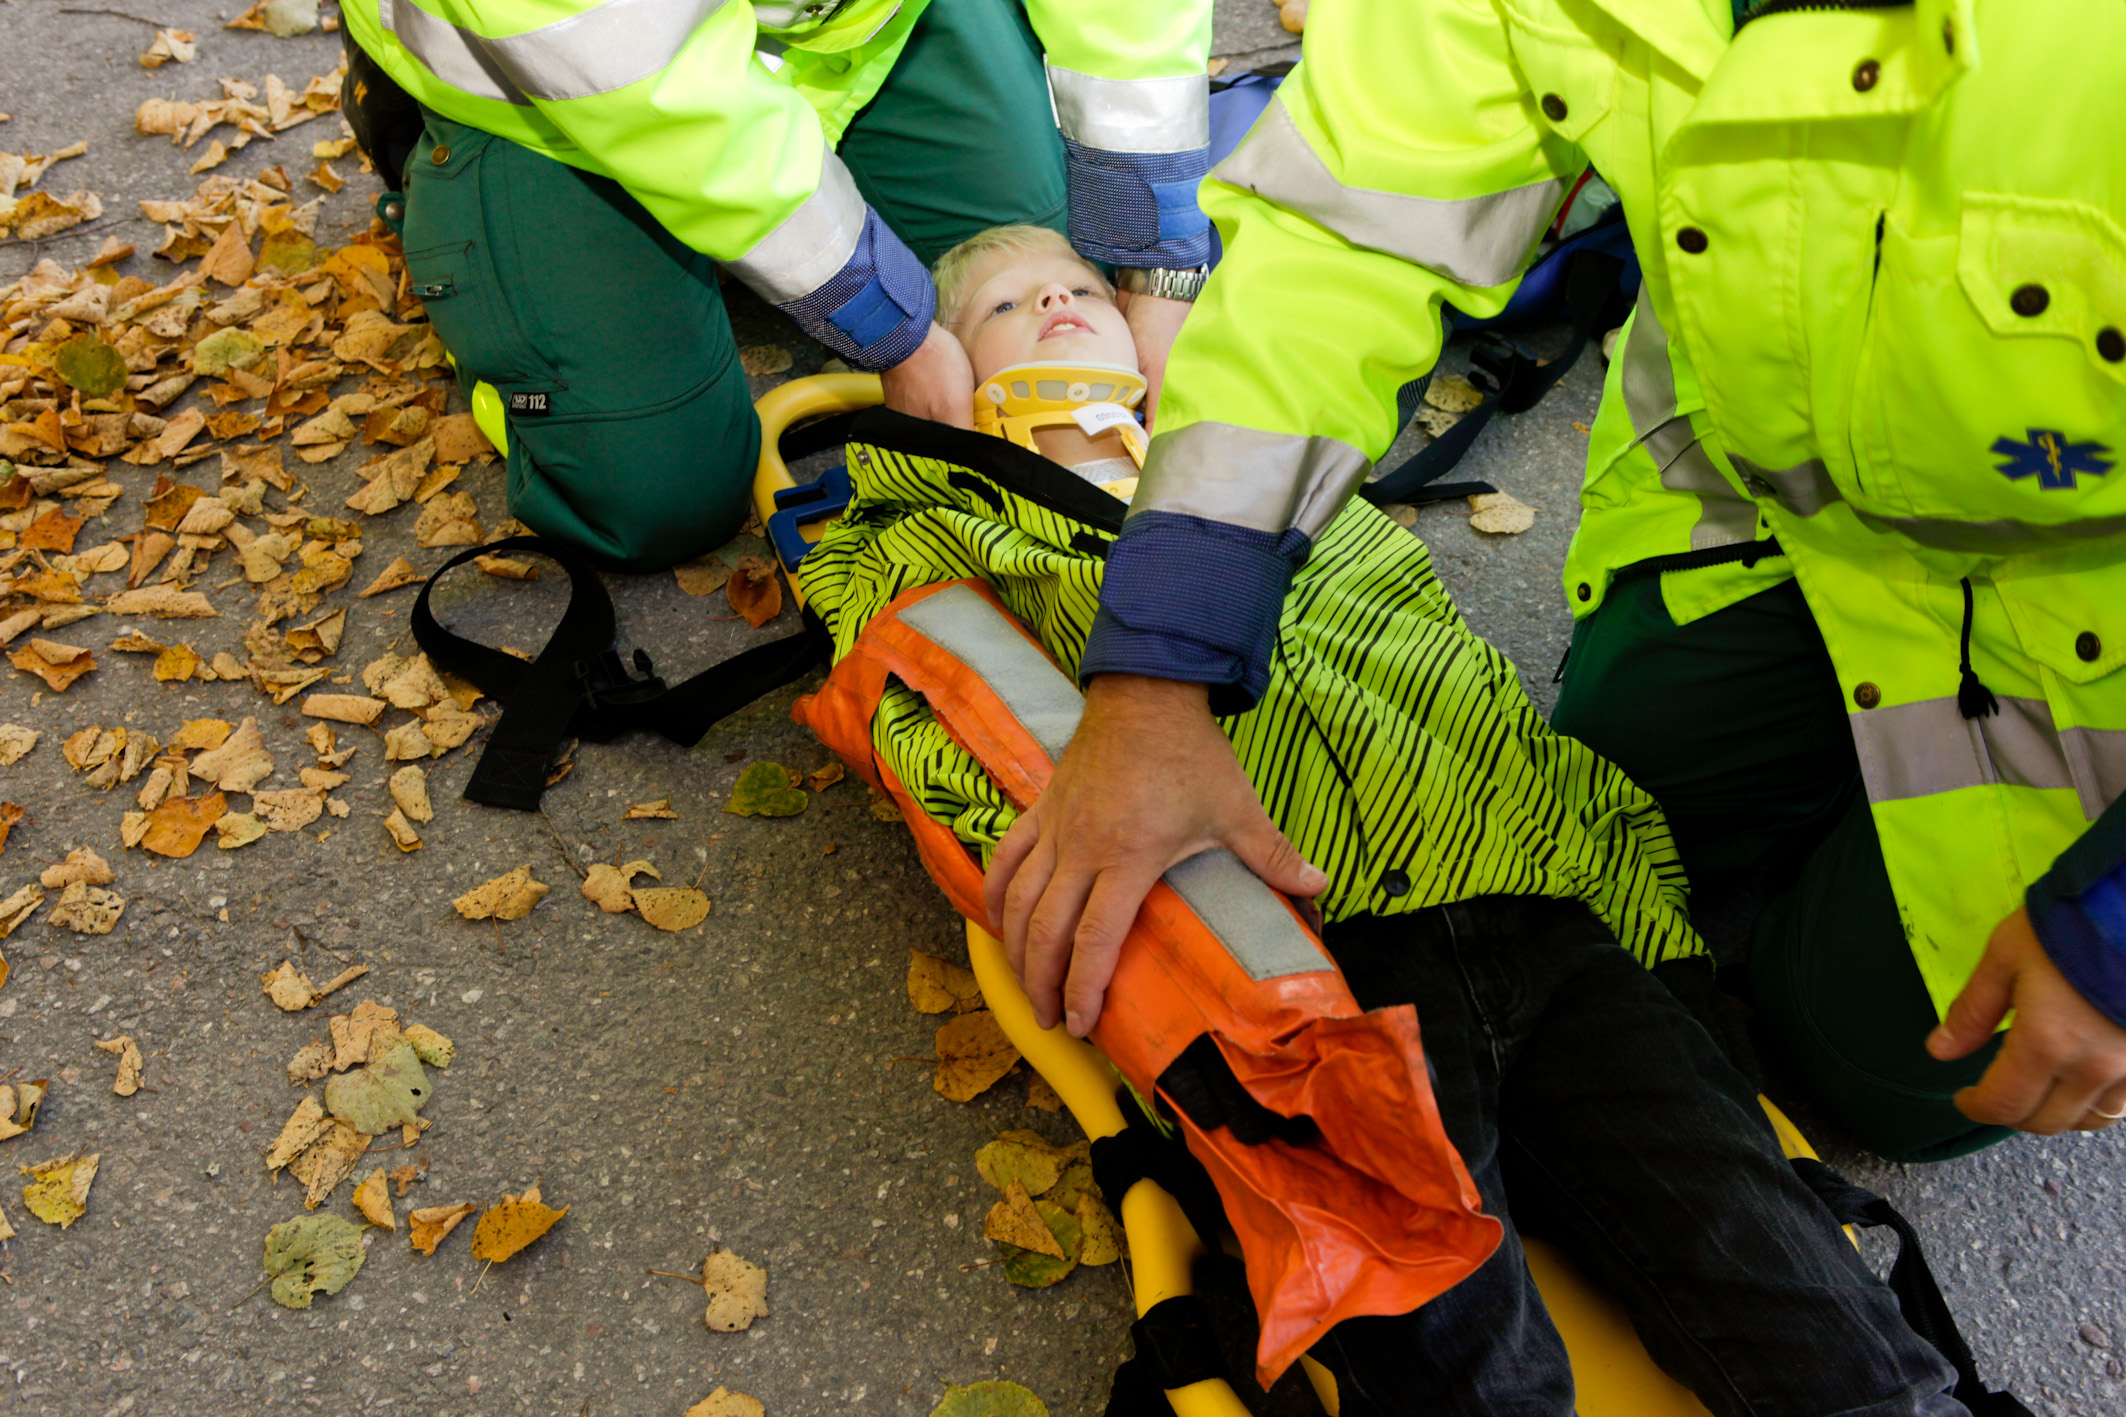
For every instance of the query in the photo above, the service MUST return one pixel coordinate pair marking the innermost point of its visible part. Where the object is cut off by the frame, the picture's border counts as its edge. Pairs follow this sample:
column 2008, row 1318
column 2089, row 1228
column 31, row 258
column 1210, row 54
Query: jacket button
column 2030, row 300
column 1554, row 108
column 2111, row 344
column 1866, row 75
column 441, row 154
column 1396, row 884
column 1586, row 591
column 1692, row 240
column 2088, row 647
column 1866, row 695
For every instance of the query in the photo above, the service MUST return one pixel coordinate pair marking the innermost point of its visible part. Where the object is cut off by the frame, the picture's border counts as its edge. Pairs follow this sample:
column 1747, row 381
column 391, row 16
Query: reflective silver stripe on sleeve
column 1803, row 489
column 1997, row 537
column 1725, row 516
column 1133, row 115
column 1244, row 914
column 2097, row 758
column 1920, row 749
column 595, row 51
column 811, row 244
column 1039, row 695
column 451, row 54
column 1478, row 241
column 1271, row 482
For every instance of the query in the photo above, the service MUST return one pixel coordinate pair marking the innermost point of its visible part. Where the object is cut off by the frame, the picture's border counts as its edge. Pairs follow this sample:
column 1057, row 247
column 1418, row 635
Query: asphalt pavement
column 757, row 1083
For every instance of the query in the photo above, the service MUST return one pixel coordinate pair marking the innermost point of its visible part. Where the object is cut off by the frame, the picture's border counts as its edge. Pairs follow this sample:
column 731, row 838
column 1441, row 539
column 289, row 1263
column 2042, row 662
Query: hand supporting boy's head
column 1021, row 295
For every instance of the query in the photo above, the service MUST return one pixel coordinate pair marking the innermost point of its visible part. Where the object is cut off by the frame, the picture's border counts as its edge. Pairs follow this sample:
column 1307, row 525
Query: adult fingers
column 2014, row 1086
column 1269, row 853
column 2074, row 1091
column 1028, row 884
column 1103, row 924
column 1051, row 938
column 1018, row 842
column 1978, row 1010
column 2100, row 1114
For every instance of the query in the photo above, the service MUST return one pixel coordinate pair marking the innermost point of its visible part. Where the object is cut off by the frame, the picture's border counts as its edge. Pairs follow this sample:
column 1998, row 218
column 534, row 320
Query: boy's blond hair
column 952, row 270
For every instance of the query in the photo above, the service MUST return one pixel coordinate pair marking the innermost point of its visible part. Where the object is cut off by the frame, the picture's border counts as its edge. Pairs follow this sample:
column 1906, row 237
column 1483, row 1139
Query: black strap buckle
column 606, row 683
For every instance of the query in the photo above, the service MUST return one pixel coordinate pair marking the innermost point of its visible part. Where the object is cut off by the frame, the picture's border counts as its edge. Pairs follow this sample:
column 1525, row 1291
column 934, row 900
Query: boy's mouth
column 1063, row 320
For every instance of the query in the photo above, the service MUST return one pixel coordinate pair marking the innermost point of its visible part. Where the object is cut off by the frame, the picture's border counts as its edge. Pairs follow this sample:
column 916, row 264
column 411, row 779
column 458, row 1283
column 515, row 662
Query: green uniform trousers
column 544, row 279
column 1735, row 724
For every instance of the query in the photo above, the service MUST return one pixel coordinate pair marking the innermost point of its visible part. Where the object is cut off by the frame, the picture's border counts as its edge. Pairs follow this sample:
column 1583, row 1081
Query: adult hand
column 935, row 382
column 2063, row 1061
column 1154, row 321
column 1148, row 781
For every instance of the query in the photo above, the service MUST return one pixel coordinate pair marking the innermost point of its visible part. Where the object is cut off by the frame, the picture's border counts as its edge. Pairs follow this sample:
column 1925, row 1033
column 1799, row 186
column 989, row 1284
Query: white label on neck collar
column 1097, row 418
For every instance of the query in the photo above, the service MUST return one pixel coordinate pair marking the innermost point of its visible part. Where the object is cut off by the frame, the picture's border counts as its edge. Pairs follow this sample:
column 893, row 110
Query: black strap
column 1140, row 1153
column 1176, row 1346
column 1201, row 1083
column 1512, row 381
column 578, row 686
column 1913, row 1282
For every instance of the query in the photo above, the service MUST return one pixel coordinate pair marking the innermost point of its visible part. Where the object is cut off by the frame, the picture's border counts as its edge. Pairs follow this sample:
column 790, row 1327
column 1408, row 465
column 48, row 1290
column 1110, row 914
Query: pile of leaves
column 1052, row 1217
column 376, row 1080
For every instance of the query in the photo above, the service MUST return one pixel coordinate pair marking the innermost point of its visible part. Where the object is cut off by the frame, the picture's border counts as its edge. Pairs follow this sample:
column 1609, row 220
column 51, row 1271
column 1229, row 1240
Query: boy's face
column 1040, row 308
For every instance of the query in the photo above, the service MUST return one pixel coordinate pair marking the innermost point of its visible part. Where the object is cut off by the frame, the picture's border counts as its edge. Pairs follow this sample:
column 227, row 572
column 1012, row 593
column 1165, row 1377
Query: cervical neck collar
column 1095, row 398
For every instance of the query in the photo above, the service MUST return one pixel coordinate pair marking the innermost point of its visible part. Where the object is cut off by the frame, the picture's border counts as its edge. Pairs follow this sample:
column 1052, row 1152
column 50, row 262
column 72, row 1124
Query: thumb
column 1269, row 854
column 1976, row 1012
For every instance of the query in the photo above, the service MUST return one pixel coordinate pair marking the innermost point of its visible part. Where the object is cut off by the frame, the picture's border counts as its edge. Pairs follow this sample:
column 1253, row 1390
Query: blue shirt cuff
column 1188, row 598
column 876, row 310
column 2078, row 909
column 1138, row 209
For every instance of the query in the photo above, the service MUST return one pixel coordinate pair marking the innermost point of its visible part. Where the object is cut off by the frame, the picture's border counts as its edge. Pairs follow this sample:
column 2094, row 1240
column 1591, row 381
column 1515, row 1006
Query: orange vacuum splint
column 1348, row 1198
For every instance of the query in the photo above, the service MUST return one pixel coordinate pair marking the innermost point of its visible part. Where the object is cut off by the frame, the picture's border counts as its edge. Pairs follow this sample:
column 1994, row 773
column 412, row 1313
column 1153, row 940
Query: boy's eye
column 1083, row 290
column 1004, row 307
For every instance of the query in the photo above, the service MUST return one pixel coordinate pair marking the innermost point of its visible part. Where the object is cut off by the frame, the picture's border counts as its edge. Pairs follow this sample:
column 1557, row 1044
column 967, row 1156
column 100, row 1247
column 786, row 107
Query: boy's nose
column 1054, row 295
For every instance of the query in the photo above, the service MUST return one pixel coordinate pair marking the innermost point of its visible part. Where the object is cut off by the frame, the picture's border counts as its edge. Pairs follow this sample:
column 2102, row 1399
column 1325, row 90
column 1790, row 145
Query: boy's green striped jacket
column 1394, row 747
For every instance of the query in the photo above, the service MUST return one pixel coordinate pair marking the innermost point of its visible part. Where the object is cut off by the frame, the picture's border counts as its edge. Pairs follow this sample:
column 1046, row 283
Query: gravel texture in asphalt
column 758, row 1082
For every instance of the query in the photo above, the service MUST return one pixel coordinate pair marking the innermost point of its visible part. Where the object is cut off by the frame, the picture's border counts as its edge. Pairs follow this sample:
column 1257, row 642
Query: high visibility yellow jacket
column 1883, row 321
column 721, row 117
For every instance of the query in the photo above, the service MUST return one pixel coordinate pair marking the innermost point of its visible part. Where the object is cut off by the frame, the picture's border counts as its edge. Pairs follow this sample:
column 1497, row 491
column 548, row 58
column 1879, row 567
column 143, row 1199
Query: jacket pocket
column 1985, row 413
column 1572, row 84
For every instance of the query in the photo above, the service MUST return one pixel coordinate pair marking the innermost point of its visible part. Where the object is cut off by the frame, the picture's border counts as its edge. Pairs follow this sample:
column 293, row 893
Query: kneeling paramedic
column 568, row 178
column 1570, row 1081
column 1850, row 575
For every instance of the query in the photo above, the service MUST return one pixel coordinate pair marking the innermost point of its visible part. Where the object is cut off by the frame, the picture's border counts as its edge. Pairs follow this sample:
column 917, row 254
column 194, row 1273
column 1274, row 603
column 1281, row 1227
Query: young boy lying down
column 1509, row 884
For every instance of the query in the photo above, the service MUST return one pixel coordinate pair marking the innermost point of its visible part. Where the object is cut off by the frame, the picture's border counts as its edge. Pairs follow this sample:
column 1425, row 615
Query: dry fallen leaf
column 725, row 1403
column 239, row 764
column 510, row 1226
column 427, row 1226
column 430, row 1046
column 1040, row 1094
column 373, row 1199
column 398, row 574
column 86, row 910
column 401, row 831
column 1500, row 513
column 753, row 590
column 936, row 985
column 764, row 790
column 311, row 1061
column 58, row 665
column 1014, row 1221
column 363, row 1035
column 672, row 907
column 128, row 1081
column 10, row 818
column 81, row 864
column 823, row 778
column 409, row 789
column 310, row 1255
column 177, row 825
column 18, row 908
column 344, row 708
column 328, row 1161
column 508, row 897
column 58, row 1194
column 18, row 1106
column 738, row 1292
column 972, row 1054
column 16, row 742
column 662, row 807
column 608, row 886
column 705, row 575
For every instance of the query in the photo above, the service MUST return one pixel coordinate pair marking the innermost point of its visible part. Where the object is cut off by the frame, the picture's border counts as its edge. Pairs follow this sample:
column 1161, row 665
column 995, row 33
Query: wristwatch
column 1162, row 281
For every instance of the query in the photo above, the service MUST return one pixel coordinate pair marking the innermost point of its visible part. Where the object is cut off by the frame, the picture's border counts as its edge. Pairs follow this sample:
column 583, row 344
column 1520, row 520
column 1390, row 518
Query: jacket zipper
column 1787, row 7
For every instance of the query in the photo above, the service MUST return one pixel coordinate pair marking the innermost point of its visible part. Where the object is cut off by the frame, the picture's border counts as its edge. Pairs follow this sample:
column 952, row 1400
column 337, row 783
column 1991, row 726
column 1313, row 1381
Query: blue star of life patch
column 2050, row 458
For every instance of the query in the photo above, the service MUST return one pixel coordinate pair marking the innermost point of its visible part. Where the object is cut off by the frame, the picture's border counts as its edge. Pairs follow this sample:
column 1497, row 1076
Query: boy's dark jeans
column 1574, row 1083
